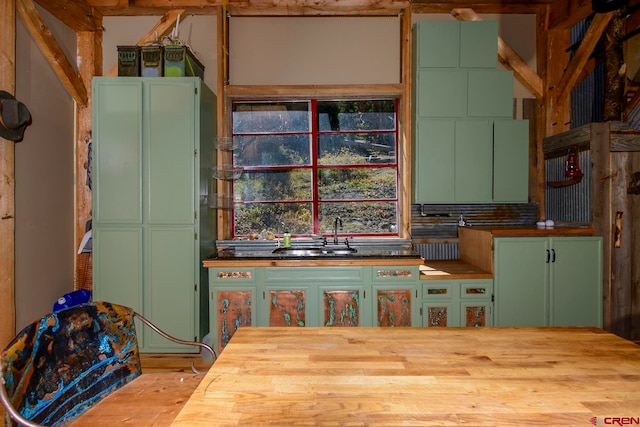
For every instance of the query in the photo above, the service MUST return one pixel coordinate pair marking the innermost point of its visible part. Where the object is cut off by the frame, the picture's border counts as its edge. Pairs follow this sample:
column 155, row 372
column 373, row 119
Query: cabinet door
column 478, row 44
column 170, row 285
column 117, row 266
column 521, row 281
column 438, row 44
column 434, row 156
column 169, row 151
column 511, row 161
column 341, row 305
column 287, row 305
column 393, row 305
column 490, row 93
column 231, row 308
column 476, row 308
column 441, row 93
column 439, row 307
column 117, row 151
column 473, row 161
column 476, row 314
column 576, row 281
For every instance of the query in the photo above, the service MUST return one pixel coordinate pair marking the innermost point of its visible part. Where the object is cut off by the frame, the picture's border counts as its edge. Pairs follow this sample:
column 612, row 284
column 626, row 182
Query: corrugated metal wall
column 587, row 98
column 441, row 222
column 572, row 203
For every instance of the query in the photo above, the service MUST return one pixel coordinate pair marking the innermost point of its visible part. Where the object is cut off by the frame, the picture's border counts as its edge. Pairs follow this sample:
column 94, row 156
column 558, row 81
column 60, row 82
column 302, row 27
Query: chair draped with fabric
column 59, row 366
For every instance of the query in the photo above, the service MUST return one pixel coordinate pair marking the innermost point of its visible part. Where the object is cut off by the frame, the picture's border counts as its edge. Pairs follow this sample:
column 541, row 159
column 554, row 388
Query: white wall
column 44, row 187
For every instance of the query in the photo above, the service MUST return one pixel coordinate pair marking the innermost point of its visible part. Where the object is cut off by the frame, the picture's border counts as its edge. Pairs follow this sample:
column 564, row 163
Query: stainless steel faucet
column 335, row 229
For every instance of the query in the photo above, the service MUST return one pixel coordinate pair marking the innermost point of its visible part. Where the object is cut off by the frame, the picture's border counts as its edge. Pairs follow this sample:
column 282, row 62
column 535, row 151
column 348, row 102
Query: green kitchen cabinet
column 511, row 161
column 453, row 44
column 152, row 149
column 466, row 146
column 395, row 292
column 453, row 161
column 233, row 302
column 441, row 93
column 548, row 281
column 331, row 296
column 457, row 303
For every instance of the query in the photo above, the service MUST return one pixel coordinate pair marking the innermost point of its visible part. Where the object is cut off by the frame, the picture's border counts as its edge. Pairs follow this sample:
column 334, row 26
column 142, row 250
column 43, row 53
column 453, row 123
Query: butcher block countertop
column 418, row 377
column 452, row 270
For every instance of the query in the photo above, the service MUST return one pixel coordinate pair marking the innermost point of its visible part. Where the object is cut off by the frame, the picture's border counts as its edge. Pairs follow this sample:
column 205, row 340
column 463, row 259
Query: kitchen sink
column 315, row 251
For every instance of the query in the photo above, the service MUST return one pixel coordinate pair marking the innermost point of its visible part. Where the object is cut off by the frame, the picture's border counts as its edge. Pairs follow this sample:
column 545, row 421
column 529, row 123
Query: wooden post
column 614, row 81
column 90, row 50
column 7, row 179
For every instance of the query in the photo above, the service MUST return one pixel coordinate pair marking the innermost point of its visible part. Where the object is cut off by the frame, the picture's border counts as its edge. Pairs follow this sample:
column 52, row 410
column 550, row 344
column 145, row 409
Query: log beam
column 51, row 50
column 592, row 36
column 7, row 179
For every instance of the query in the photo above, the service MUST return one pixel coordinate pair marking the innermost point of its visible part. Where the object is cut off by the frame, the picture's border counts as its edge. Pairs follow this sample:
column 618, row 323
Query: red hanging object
column 571, row 166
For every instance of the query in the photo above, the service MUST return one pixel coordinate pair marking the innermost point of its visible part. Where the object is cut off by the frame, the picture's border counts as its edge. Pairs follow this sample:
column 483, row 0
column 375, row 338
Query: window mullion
column 314, row 166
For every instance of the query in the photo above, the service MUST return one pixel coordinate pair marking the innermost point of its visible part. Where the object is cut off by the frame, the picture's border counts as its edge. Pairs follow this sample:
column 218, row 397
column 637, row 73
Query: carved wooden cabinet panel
column 234, row 308
column 341, row 307
column 287, row 307
column 393, row 307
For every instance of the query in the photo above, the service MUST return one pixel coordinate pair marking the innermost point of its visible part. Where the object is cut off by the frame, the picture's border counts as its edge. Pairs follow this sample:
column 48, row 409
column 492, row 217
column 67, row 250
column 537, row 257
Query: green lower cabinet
column 233, row 293
column 310, row 296
column 548, row 281
column 395, row 291
column 457, row 303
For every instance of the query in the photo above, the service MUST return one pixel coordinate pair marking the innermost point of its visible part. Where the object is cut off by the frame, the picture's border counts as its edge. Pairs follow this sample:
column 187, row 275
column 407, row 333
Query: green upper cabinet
column 473, row 161
column 152, row 140
column 441, row 93
column 466, row 147
column 511, row 161
column 437, row 44
column 490, row 94
column 433, row 174
column 479, row 44
column 453, row 44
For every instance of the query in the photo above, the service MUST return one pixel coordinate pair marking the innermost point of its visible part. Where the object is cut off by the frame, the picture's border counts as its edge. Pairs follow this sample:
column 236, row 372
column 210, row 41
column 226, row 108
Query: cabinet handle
column 553, row 258
column 548, row 256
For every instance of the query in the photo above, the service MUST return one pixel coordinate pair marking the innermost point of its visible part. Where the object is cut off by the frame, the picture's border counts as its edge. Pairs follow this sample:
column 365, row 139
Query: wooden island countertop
column 418, row 377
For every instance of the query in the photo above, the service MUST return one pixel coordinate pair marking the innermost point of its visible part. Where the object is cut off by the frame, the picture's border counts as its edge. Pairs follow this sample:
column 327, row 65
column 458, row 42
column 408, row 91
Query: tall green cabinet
column 152, row 150
column 467, row 148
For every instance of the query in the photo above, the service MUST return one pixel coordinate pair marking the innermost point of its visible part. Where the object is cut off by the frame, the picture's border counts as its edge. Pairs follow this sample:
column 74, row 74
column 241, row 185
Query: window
column 308, row 161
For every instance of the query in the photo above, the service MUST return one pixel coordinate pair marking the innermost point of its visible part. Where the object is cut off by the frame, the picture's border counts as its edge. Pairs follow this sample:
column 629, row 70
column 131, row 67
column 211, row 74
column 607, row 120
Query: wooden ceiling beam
column 572, row 73
column 508, row 57
column 161, row 29
column 51, row 50
column 484, row 6
column 75, row 14
column 565, row 14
